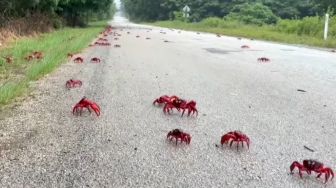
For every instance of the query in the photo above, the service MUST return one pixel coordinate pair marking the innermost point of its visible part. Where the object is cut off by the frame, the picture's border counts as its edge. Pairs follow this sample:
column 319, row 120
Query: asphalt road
column 43, row 145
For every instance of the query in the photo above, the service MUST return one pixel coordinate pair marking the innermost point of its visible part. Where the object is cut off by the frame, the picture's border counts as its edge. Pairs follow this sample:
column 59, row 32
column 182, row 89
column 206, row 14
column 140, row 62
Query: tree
column 255, row 13
column 151, row 10
column 76, row 12
column 145, row 9
column 292, row 8
column 326, row 5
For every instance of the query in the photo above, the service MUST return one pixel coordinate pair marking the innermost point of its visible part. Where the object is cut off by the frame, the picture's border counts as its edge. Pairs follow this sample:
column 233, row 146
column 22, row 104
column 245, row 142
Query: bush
column 29, row 25
column 332, row 27
column 287, row 26
column 310, row 26
column 178, row 15
column 76, row 12
column 212, row 22
column 220, row 23
column 58, row 22
column 255, row 13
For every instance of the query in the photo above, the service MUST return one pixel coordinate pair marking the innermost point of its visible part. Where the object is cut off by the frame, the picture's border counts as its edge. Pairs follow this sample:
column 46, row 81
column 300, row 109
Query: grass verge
column 15, row 77
column 268, row 33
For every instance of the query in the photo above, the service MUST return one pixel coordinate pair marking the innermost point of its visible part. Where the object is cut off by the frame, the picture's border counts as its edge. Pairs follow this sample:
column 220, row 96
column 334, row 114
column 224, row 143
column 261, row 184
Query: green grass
column 15, row 77
column 269, row 33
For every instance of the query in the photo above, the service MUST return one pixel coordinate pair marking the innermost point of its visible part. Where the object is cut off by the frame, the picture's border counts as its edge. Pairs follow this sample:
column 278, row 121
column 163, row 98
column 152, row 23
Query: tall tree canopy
column 74, row 11
column 327, row 5
column 200, row 9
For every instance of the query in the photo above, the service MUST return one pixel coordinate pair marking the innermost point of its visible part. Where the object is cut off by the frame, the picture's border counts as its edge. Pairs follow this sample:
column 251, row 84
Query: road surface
column 43, row 145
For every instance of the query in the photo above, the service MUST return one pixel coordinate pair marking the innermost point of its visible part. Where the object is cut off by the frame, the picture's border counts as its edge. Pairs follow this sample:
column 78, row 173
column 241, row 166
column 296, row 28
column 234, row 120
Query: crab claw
column 328, row 173
column 332, row 174
column 95, row 108
column 298, row 165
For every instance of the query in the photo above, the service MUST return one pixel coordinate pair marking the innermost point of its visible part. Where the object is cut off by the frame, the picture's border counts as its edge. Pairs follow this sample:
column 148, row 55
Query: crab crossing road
column 43, row 145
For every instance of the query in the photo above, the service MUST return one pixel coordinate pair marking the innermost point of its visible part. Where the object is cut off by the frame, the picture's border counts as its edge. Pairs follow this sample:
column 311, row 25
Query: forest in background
column 152, row 10
column 290, row 21
column 73, row 12
column 29, row 17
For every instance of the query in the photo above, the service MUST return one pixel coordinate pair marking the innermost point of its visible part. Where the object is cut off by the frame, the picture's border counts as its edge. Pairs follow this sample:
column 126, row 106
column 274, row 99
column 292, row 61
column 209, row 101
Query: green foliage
column 150, row 10
column 255, row 13
column 144, row 9
column 76, row 12
column 289, row 9
column 178, row 15
column 212, row 22
column 326, row 5
column 287, row 17
column 332, row 27
column 265, row 32
column 79, row 12
column 310, row 26
column 15, row 77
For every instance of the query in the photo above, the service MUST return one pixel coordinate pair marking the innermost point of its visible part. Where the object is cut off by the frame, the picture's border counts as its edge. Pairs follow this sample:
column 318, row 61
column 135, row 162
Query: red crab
column 70, row 55
column 178, row 134
column 181, row 104
column 109, row 28
column 165, row 99
column 102, row 39
column 35, row 55
column 310, row 165
column 264, row 59
column 29, row 58
column 235, row 136
column 78, row 60
column 95, row 60
column 38, row 55
column 73, row 83
column 105, row 44
column 85, row 103
column 9, row 59
column 245, row 46
column 102, row 43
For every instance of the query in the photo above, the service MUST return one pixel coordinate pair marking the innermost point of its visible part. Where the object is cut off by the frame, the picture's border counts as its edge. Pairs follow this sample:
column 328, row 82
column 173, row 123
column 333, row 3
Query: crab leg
column 183, row 112
column 231, row 143
column 332, row 174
